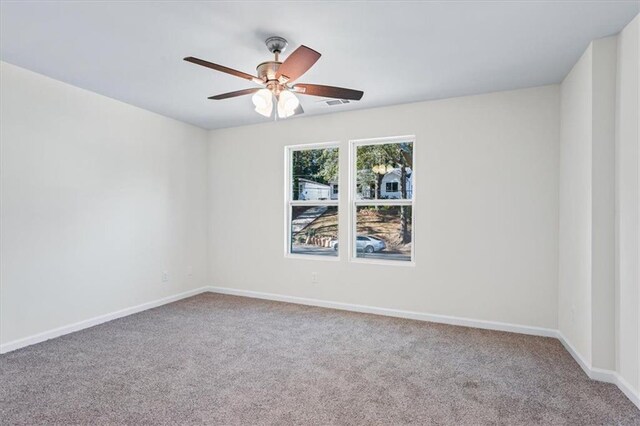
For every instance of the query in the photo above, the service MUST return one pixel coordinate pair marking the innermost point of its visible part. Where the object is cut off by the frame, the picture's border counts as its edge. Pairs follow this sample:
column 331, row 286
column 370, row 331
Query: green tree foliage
column 372, row 163
column 391, row 155
column 319, row 165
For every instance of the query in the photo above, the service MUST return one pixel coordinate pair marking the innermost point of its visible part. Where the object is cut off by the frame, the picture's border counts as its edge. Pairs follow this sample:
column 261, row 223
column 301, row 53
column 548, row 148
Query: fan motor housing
column 267, row 70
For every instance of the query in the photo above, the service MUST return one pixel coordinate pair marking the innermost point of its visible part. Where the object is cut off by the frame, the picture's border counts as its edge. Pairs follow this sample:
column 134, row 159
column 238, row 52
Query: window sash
column 355, row 203
column 290, row 202
column 353, row 251
column 353, row 234
column 383, row 202
column 314, row 202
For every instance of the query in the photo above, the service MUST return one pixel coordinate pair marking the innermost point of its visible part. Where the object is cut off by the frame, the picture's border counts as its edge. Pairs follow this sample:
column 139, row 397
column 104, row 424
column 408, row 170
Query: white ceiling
column 396, row 52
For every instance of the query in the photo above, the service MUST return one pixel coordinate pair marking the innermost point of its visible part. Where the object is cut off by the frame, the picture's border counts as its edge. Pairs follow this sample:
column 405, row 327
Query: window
column 382, row 202
column 392, row 187
column 312, row 200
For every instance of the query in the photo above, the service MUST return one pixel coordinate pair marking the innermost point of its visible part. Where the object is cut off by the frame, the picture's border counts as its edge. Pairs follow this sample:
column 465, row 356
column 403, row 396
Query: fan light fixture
column 263, row 101
column 287, row 104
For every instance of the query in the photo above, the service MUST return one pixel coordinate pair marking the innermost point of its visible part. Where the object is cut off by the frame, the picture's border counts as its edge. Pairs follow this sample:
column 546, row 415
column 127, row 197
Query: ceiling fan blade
column 298, row 110
column 297, row 63
column 234, row 94
column 328, row 91
column 223, row 69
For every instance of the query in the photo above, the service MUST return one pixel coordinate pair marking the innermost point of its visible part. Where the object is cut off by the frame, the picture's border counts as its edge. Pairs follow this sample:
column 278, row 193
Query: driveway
column 305, row 218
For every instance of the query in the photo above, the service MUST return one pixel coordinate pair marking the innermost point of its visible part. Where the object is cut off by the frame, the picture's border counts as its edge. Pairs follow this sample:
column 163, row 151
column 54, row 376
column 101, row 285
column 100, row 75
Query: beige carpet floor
column 214, row 359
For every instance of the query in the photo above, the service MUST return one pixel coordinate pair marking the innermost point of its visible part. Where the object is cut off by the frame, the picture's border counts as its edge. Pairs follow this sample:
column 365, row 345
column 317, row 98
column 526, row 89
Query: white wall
column 603, row 209
column 586, row 301
column 98, row 198
column 628, row 205
column 486, row 208
column 574, row 277
column 599, row 296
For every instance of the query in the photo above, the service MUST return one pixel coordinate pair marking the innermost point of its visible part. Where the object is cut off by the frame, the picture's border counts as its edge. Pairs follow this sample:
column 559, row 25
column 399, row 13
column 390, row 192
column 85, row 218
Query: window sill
column 383, row 262
column 312, row 257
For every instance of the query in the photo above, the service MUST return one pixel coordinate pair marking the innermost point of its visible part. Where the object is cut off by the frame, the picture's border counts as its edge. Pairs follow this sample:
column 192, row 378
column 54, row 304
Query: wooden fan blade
column 328, row 91
column 297, row 63
column 234, row 94
column 223, row 69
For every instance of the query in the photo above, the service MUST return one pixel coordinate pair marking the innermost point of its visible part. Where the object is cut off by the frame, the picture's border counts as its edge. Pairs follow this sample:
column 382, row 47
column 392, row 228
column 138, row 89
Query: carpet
column 216, row 359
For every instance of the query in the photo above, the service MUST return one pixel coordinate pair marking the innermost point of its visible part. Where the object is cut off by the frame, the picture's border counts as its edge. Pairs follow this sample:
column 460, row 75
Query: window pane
column 315, row 174
column 384, row 232
column 314, row 230
column 384, row 171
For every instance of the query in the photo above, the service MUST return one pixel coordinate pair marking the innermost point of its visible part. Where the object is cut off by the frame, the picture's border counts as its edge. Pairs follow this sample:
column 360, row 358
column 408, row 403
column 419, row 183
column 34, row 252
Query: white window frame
column 289, row 202
column 355, row 203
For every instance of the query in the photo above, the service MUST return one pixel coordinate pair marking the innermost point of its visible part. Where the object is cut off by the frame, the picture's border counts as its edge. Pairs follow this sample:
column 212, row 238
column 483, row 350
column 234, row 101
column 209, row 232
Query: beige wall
column 486, row 214
column 98, row 199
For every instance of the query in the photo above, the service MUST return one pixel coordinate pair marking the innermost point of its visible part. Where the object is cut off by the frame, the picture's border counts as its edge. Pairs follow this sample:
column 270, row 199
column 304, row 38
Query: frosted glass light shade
column 287, row 104
column 263, row 101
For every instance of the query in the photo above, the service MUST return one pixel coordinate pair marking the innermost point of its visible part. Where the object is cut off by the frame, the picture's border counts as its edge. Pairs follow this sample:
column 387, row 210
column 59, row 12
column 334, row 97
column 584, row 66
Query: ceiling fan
column 277, row 79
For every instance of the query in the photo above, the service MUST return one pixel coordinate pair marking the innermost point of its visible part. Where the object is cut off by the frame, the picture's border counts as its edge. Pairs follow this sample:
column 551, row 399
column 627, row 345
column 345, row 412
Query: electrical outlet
column 314, row 278
column 165, row 276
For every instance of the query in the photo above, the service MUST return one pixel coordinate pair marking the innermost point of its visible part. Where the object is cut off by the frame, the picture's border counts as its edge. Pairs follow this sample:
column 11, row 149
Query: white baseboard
column 60, row 331
column 626, row 389
column 593, row 373
column 601, row 374
column 420, row 316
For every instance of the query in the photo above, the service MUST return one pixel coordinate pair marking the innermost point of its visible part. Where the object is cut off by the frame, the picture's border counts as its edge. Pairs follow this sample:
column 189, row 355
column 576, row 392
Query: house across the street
column 311, row 190
column 390, row 186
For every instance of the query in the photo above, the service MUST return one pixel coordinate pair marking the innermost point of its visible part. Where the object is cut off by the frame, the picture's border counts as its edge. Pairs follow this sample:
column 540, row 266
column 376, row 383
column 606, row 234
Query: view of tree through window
column 383, row 232
column 314, row 230
column 315, row 174
column 313, row 201
column 383, row 201
column 384, row 171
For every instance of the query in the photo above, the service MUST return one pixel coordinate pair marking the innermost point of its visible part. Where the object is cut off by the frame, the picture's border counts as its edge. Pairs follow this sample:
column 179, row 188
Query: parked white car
column 364, row 243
